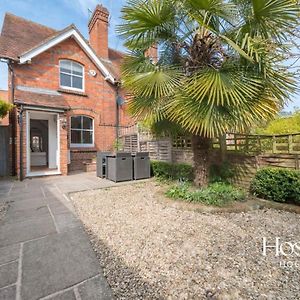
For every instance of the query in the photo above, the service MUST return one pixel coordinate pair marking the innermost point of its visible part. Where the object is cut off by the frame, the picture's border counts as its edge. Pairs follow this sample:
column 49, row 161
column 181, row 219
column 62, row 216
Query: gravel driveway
column 152, row 248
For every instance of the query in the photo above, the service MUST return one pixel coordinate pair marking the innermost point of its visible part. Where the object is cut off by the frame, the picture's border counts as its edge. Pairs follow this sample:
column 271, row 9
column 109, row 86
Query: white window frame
column 69, row 87
column 91, row 130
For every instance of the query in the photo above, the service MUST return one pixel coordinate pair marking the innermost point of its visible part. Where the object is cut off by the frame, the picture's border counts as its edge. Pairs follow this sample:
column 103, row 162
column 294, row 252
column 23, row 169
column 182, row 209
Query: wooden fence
column 255, row 144
column 246, row 153
column 136, row 139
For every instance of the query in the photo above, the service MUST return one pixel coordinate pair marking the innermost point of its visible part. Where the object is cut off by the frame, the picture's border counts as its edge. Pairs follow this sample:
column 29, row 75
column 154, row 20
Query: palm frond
column 221, row 66
column 144, row 22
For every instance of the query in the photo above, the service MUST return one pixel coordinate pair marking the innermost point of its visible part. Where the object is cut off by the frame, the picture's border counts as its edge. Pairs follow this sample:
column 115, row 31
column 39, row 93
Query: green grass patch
column 216, row 194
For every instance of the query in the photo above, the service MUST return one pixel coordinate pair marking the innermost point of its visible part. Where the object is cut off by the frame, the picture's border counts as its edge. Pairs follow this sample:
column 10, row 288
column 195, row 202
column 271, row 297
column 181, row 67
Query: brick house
column 65, row 91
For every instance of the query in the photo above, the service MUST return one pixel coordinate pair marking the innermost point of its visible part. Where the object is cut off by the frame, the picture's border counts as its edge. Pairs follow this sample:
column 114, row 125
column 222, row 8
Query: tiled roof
column 20, row 35
column 40, row 99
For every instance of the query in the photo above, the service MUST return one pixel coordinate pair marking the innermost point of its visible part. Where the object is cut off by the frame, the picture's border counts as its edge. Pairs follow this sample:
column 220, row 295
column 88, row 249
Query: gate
column 4, row 145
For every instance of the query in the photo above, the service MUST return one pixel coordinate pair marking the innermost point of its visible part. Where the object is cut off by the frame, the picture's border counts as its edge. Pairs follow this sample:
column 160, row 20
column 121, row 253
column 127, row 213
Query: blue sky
column 61, row 13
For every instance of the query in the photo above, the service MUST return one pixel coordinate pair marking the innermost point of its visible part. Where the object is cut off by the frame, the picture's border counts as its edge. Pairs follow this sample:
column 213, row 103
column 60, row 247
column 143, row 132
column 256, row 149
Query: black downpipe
column 117, row 116
column 21, row 143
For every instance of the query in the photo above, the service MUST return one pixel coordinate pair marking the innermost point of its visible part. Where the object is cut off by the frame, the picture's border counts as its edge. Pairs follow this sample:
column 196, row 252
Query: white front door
column 42, row 143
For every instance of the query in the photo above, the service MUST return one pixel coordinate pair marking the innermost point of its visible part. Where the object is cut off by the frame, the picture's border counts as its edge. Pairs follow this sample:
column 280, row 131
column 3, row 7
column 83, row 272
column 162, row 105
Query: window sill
column 73, row 92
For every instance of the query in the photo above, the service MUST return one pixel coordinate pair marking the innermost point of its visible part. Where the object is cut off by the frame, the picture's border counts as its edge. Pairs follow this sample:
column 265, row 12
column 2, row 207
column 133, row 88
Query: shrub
column 217, row 194
column 221, row 173
column 5, row 107
column 169, row 171
column 279, row 185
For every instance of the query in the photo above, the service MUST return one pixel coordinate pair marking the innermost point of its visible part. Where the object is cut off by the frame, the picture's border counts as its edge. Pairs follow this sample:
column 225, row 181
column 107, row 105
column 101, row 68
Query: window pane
column 87, row 123
column 77, row 82
column 65, row 66
column 76, row 122
column 65, row 80
column 76, row 137
column 77, row 69
column 87, row 137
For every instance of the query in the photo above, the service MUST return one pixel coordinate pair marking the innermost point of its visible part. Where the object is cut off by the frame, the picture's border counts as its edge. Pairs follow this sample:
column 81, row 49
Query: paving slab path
column 44, row 251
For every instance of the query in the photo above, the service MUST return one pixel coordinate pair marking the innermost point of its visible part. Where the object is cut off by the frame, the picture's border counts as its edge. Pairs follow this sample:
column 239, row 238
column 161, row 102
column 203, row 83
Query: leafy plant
column 276, row 184
column 217, row 194
column 223, row 172
column 220, row 67
column 118, row 145
column 170, row 171
column 5, row 107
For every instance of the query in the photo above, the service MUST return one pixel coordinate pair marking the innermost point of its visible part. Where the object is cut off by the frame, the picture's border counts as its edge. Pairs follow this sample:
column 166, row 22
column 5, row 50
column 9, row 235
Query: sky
column 59, row 14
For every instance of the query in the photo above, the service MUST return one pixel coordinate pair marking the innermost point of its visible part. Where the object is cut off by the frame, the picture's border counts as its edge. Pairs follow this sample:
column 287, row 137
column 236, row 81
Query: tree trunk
column 201, row 151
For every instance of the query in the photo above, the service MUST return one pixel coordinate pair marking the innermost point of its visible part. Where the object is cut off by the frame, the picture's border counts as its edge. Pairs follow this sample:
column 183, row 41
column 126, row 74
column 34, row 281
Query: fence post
column 247, row 144
column 297, row 162
column 290, row 143
column 274, row 144
column 235, row 142
column 138, row 138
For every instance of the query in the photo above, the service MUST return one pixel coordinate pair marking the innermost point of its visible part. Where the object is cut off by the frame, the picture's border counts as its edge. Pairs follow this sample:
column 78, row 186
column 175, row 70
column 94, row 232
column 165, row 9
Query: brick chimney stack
column 98, row 31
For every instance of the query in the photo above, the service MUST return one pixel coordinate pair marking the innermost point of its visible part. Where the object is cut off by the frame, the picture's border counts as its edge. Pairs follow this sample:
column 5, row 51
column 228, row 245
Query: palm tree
column 221, row 65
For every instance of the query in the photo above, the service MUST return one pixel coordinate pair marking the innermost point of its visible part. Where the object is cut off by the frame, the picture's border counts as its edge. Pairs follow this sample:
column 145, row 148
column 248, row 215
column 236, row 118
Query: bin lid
column 144, row 154
column 123, row 154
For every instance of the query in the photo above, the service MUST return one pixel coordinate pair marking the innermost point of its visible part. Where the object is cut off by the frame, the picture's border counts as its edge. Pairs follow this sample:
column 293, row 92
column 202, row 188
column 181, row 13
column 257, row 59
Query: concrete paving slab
column 56, row 262
column 51, row 191
column 8, row 293
column 8, row 274
column 68, row 295
column 51, row 261
column 5, row 188
column 26, row 204
column 54, row 200
column 15, row 216
column 95, row 289
column 26, row 194
column 57, row 207
column 66, row 221
column 27, row 230
column 9, row 253
column 21, row 197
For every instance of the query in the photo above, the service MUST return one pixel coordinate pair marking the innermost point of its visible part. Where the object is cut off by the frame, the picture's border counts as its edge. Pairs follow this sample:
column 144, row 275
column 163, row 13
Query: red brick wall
column 98, row 101
column 78, row 157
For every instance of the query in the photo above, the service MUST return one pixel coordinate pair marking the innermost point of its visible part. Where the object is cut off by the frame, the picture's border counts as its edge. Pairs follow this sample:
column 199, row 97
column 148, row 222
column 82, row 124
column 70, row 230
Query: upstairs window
column 82, row 131
column 71, row 75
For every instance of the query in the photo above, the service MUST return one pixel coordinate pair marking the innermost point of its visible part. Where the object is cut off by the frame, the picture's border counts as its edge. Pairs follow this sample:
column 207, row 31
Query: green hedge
column 169, row 171
column 275, row 184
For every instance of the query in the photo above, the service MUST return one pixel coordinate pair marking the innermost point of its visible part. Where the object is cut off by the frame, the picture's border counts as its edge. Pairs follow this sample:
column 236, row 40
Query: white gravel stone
column 152, row 248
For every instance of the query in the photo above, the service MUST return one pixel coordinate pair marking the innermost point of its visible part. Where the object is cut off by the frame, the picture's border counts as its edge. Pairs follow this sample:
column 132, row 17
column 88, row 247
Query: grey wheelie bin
column 141, row 165
column 102, row 164
column 119, row 167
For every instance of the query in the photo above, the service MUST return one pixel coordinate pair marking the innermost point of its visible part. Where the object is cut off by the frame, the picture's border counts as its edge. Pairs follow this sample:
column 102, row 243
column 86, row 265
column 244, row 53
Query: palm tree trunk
column 201, row 151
